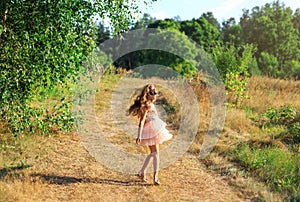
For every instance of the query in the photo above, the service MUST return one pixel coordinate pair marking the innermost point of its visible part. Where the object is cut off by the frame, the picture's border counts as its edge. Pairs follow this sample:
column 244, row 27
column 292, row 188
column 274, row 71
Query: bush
column 285, row 115
column 233, row 64
column 294, row 130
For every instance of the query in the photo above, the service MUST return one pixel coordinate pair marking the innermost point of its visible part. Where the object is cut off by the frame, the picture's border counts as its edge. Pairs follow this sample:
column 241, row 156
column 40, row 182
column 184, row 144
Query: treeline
column 44, row 44
column 271, row 33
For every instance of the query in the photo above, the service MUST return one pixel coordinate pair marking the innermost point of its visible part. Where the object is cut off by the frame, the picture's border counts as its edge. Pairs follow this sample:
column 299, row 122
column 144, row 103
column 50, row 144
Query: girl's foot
column 156, row 181
column 142, row 177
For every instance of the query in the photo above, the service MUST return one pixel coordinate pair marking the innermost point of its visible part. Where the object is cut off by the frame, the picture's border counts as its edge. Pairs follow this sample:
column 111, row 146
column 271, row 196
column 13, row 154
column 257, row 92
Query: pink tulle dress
column 154, row 130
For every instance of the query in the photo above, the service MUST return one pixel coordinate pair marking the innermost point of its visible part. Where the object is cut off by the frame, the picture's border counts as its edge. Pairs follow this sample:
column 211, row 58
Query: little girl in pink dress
column 152, row 130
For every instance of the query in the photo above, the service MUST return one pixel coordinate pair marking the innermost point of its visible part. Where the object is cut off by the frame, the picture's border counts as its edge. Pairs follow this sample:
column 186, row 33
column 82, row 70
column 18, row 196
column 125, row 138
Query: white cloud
column 159, row 15
column 225, row 9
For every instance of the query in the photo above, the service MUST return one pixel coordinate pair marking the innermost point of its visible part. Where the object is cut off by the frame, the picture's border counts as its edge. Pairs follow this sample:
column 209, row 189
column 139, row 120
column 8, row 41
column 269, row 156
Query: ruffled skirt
column 155, row 132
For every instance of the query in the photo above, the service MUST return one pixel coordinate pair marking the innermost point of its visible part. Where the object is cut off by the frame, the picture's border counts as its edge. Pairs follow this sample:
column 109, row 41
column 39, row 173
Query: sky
column 221, row 9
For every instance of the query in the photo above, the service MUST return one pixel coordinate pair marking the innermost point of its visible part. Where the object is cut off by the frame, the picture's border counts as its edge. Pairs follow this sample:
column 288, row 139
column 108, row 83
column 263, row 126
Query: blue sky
column 222, row 9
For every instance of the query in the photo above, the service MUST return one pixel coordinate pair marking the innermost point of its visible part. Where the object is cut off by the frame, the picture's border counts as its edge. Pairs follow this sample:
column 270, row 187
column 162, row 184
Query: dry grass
column 265, row 92
column 239, row 121
column 202, row 93
column 239, row 127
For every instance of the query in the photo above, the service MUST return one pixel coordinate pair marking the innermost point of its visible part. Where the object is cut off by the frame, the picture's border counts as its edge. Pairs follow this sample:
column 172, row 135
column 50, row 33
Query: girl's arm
column 141, row 125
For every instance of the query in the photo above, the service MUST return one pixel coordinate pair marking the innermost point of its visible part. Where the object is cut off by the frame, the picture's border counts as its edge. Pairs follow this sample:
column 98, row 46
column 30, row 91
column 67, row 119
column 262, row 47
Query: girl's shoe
column 156, row 181
column 142, row 177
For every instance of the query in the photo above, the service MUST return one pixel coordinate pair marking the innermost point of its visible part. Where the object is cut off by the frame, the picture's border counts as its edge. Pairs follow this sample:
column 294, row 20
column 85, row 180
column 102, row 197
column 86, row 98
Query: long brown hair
column 142, row 102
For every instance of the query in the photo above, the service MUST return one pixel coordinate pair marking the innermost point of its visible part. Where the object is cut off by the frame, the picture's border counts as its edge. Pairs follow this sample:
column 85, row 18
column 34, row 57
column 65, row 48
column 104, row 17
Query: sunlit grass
column 278, row 168
column 264, row 92
column 241, row 129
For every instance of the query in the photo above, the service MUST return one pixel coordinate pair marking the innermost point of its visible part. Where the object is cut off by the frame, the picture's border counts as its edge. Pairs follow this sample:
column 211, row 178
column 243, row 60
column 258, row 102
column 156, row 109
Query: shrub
column 285, row 115
column 295, row 131
column 233, row 64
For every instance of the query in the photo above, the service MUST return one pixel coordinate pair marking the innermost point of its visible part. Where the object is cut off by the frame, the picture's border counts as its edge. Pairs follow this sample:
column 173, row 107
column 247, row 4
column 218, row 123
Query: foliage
column 269, row 65
column 176, row 42
column 294, row 130
column 171, row 40
column 293, row 68
column 97, row 61
column 272, row 30
column 296, row 21
column 168, row 24
column 233, row 68
column 42, row 47
column 278, row 168
column 232, row 32
column 103, row 33
column 201, row 31
column 284, row 115
column 119, row 13
column 253, row 67
column 209, row 16
column 144, row 22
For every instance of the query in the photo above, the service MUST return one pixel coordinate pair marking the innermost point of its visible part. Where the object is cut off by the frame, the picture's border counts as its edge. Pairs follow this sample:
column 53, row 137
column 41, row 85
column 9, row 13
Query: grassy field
column 255, row 159
column 258, row 137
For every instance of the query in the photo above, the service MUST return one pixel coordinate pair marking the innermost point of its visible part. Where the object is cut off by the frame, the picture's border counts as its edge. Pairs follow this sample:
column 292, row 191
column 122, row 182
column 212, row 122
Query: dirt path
column 69, row 173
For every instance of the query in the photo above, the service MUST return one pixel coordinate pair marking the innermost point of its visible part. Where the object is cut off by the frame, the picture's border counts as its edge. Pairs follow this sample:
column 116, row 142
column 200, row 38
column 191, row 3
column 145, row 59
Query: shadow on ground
column 65, row 180
column 11, row 171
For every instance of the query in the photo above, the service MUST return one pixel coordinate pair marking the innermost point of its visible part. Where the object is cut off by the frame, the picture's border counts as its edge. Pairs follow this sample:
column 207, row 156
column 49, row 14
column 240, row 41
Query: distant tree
column 209, row 16
column 268, row 65
column 144, row 22
column 296, row 21
column 271, row 29
column 168, row 24
column 177, row 43
column 103, row 33
column 138, row 58
column 231, row 32
column 177, row 18
column 193, row 30
column 134, row 59
column 201, row 31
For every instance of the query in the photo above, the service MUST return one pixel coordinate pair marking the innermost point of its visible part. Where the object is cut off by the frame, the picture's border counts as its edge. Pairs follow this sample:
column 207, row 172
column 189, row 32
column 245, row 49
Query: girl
column 151, row 131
